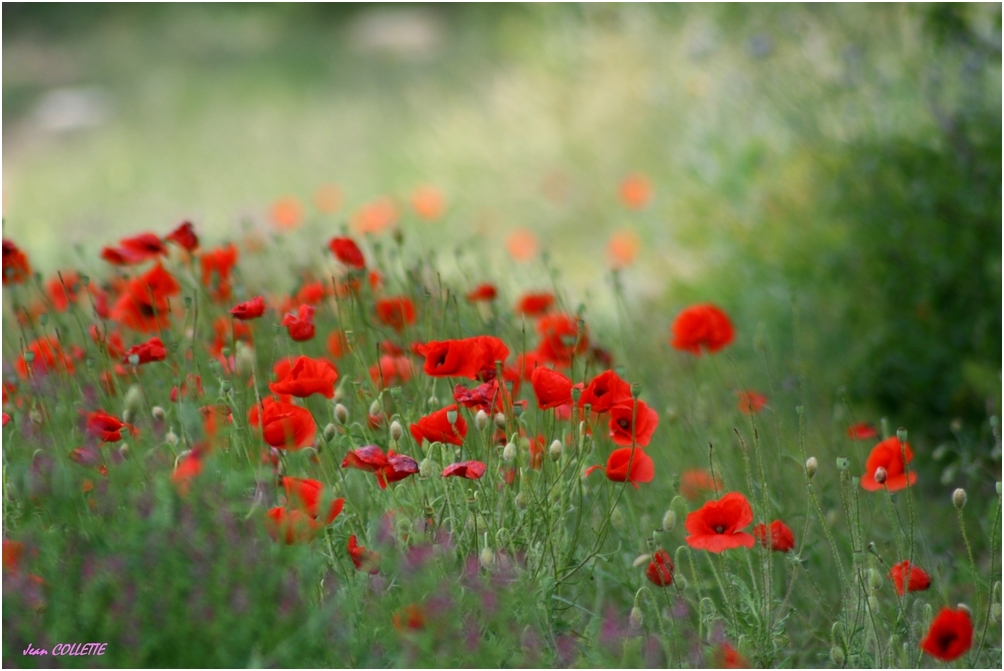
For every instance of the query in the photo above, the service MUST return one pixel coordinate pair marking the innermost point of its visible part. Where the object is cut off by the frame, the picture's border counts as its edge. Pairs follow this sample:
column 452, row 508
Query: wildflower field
column 394, row 432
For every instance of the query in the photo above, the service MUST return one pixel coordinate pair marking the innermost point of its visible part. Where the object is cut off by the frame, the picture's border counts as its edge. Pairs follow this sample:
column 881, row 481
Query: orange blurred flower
column 375, row 217
column 636, row 191
column 522, row 245
column 286, row 213
column 623, row 248
column 328, row 198
column 429, row 202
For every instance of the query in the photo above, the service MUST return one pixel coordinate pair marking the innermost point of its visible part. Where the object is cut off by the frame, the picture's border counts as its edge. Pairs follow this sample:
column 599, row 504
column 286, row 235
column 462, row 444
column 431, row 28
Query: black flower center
column 624, row 424
column 719, row 529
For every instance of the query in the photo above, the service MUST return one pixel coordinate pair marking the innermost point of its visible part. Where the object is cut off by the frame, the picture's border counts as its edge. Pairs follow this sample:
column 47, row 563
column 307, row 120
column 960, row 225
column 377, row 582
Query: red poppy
column 428, row 202
column 409, row 617
column 645, row 420
column 218, row 263
column 950, row 635
column 729, row 658
column 107, row 427
column 715, row 527
column 300, row 519
column 642, row 468
column 660, row 569
column 483, row 292
column 369, row 458
column 363, row 559
column 6, row 418
column 48, row 356
column 251, row 309
column 635, row 191
column 12, row 551
column 522, row 245
column 212, row 417
column 533, row 305
column 16, row 268
column 522, row 369
column 338, row 344
column 286, row 213
column 551, row 388
column 306, row 494
column 437, row 427
column 143, row 246
column 470, row 357
column 396, row 312
column 151, row 350
column 487, row 396
column 300, row 323
column 145, row 303
column 347, row 251
column 284, row 425
column 605, row 391
column 64, row 289
column 560, row 339
column 917, row 582
column 751, row 401
column 701, row 326
column 861, row 431
column 311, row 293
column 184, row 236
column 777, row 536
column 472, row 470
column 391, row 371
column 307, row 376
column 889, row 455
column 694, row 483
column 188, row 468
column 388, row 468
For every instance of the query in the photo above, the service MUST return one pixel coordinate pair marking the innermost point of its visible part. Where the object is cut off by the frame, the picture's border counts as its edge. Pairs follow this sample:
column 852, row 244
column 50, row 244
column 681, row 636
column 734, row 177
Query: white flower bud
column 396, row 430
column 171, row 438
column 127, row 416
column 375, row 408
column 244, row 360
column 158, row 413
column 509, row 451
column 641, row 560
column 329, row 432
column 837, row 655
column 124, row 450
column 35, row 416
column 554, row 451
column 636, row 619
column 341, row 413
column 481, row 420
column 959, row 498
column 426, row 468
column 811, row 465
column 963, row 607
column 669, row 520
column 500, row 420
column 487, row 558
column 134, row 399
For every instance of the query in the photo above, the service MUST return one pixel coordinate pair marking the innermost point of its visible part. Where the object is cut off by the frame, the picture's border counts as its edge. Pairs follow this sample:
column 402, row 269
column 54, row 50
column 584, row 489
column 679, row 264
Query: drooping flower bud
column 509, row 451
column 963, row 607
column 134, row 399
column 641, row 560
column 636, row 619
column 158, row 413
column 500, row 420
column 554, row 451
column 426, row 468
column 396, row 430
column 959, row 498
column 669, row 520
column 341, row 413
column 521, row 500
column 171, row 438
column 481, row 420
column 837, row 655
column 244, row 361
column 329, row 432
column 487, row 557
column 810, row 467
column 124, row 450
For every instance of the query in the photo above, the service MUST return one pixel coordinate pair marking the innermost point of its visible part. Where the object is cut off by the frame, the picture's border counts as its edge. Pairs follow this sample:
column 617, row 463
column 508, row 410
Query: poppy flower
column 428, row 202
column 483, row 292
column 47, row 355
column 487, row 396
column 645, row 422
column 388, row 467
column 660, row 569
column 623, row 248
column 218, row 263
column 522, row 245
column 251, row 309
column 635, row 191
column 409, row 617
column 306, row 494
column 12, row 551
column 300, row 323
column 145, row 305
column 369, row 458
column 715, row 527
column 918, row 580
column 328, row 198
column 560, row 338
column 184, row 236
column 396, row 312
column 888, row 455
column 861, row 431
column 307, row 376
column 347, row 251
column 950, row 635
column 63, row 289
column 107, row 427
column 337, row 344
column 701, row 326
column 437, row 427
column 534, row 305
column 284, row 425
column 375, row 217
column 605, row 391
column 363, row 559
column 627, row 465
column 777, row 536
column 143, row 246
column 729, row 658
column 6, row 418
column 16, row 268
column 311, row 293
column 551, row 388
column 469, row 357
column 188, row 469
column 151, row 350
column 472, row 470
column 391, row 371
column 695, row 482
column 286, row 213
column 300, row 519
column 751, row 402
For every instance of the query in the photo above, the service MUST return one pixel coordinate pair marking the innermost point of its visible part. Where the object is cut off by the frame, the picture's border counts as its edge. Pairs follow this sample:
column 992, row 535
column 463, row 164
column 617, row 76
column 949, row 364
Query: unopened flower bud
column 29, row 356
column 874, row 579
column 134, row 359
column 171, row 438
column 244, row 361
column 810, row 467
column 680, row 581
column 873, row 604
column 995, row 612
column 487, row 558
column 329, row 432
column 509, row 451
column 524, row 444
column 134, row 399
column 636, row 619
column 375, row 408
column 521, row 501
column 43, row 318
column 500, row 420
column 396, row 430
column 433, row 402
column 225, row 386
column 341, row 413
column 451, row 417
column 158, row 413
column 963, row 607
column 617, row 519
column 837, row 655
column 959, row 498
column 127, row 415
column 481, row 420
column 426, row 468
column 669, row 520
column 641, row 560
column 880, row 475
column 554, row 451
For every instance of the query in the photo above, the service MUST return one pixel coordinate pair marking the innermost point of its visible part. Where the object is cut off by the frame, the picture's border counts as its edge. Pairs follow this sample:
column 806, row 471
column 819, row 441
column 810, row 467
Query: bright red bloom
column 64, row 291
column 645, row 422
column 388, row 468
column 300, row 519
column 338, row 344
column 642, row 468
column 729, row 658
column 16, row 268
column 751, row 401
column 184, row 236
column 533, row 305
column 889, row 455
column 152, row 350
column 396, row 312
column 391, row 371
column 191, row 387
column 483, row 292
column 218, row 263
column 472, row 470
column 560, row 339
column 120, row 256
column 6, row 418
column 12, row 551
column 605, row 391
column 777, row 536
column 347, row 251
column 284, row 425
column 306, row 494
column 950, row 635
column 861, row 431
column 363, row 559
column 702, row 325
column 311, row 293
column 145, row 303
column 251, row 309
column 369, row 458
column 437, row 427
column 307, row 376
column 695, row 482
column 107, row 427
column 48, row 356
column 917, row 582
column 143, row 246
column 551, row 388
column 716, row 526
column 487, row 396
column 470, row 357
column 187, row 470
column 660, row 569
column 300, row 323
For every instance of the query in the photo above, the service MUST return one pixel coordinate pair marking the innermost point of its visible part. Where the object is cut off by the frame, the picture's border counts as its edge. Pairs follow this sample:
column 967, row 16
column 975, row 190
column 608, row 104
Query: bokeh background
column 841, row 163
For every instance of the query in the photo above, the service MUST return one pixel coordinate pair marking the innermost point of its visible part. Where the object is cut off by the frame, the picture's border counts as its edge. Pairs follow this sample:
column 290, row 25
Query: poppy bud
column 555, row 450
column 636, row 619
column 329, row 432
column 959, row 498
column 880, row 475
column 225, row 386
column 963, row 607
column 433, row 402
column 517, row 410
column 874, row 579
column 341, row 413
column 171, row 438
column 481, row 420
column 84, row 280
column 134, row 359
column 134, row 399
column 524, row 444
column 124, row 450
column 641, row 560
column 244, row 361
column 810, row 467
column 487, row 558
column 500, row 420
column 997, row 486
column 28, row 356
column 158, row 413
column 521, row 501
column 451, row 417
column 396, row 431
column 375, row 408
column 837, row 655
column 995, row 612
column 843, row 463
column 669, row 520
column 426, row 468
column 509, row 451
column 680, row 581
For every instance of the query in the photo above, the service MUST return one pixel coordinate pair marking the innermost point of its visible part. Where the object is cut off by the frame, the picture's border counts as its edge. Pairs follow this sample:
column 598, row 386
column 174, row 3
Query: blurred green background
column 846, row 158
